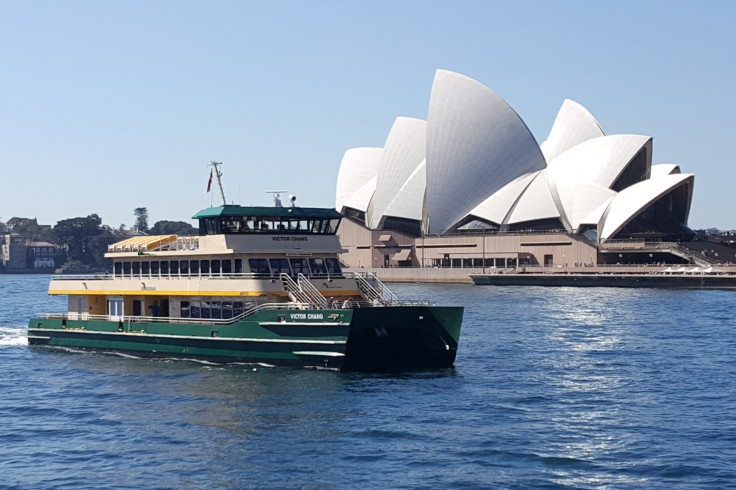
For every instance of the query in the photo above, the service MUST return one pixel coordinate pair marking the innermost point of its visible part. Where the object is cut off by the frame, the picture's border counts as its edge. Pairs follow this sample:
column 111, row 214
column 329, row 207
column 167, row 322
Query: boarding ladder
column 303, row 292
column 373, row 289
column 316, row 298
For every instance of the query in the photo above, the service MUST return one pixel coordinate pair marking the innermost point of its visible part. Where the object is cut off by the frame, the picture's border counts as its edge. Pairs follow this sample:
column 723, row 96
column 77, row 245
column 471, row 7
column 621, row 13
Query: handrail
column 208, row 275
column 295, row 291
column 374, row 289
column 170, row 319
column 311, row 291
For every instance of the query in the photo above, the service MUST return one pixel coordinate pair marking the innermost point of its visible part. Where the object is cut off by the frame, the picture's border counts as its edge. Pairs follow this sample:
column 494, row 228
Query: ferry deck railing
column 296, row 306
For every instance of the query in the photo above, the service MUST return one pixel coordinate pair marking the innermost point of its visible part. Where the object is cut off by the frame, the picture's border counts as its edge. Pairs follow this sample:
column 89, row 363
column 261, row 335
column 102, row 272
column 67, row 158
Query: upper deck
column 245, row 229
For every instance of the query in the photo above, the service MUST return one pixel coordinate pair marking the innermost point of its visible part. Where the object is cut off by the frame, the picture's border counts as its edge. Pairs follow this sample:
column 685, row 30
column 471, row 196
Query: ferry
column 260, row 285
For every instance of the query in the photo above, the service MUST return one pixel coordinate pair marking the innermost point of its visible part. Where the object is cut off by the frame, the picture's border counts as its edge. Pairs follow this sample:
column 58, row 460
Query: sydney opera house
column 470, row 186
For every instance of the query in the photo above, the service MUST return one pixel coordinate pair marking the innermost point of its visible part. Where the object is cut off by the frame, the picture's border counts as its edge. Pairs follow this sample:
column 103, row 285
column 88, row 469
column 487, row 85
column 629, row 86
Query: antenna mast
column 216, row 166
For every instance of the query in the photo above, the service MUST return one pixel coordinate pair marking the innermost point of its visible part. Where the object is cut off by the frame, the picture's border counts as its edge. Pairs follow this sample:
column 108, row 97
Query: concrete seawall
column 602, row 276
column 673, row 281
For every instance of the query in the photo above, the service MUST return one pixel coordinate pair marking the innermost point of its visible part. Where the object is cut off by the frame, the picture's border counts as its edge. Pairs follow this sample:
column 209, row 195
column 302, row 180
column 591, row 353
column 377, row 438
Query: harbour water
column 552, row 388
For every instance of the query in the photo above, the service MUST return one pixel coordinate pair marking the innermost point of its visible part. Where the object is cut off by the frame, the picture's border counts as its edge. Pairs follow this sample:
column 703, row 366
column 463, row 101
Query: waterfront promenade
column 462, row 275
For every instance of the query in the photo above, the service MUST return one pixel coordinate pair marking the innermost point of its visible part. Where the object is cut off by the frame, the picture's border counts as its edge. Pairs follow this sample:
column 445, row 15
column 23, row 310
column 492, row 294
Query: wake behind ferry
column 258, row 285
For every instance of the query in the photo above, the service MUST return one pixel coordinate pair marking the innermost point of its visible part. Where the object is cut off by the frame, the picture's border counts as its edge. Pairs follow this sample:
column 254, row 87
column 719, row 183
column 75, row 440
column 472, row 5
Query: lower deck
column 371, row 338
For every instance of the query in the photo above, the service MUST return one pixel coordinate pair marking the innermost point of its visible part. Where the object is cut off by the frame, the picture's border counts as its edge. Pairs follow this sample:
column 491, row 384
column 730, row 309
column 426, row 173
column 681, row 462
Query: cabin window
column 126, row 268
column 259, row 266
column 215, row 267
column 280, row 266
column 299, row 266
column 216, row 310
column 204, row 309
column 238, row 266
column 227, row 266
column 194, row 265
column 136, row 268
column 317, row 266
column 184, row 267
column 154, row 268
column 333, row 266
column 146, row 268
column 204, row 266
column 174, row 267
column 213, row 309
column 118, row 268
column 164, row 268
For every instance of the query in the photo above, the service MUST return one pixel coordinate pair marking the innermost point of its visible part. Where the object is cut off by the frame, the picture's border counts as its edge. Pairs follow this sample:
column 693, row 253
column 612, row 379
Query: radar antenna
column 216, row 167
column 277, row 197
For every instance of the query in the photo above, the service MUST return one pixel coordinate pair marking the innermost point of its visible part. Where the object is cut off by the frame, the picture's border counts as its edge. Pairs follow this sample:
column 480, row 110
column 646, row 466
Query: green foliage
column 141, row 219
column 30, row 228
column 164, row 227
column 74, row 234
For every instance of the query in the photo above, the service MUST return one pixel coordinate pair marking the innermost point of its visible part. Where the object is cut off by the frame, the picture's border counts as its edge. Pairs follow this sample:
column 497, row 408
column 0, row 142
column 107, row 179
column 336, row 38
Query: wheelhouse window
column 136, row 268
column 323, row 222
column 164, row 268
column 194, row 267
column 204, row 267
column 174, row 267
column 215, row 267
column 154, row 268
column 184, row 267
column 118, row 268
column 227, row 266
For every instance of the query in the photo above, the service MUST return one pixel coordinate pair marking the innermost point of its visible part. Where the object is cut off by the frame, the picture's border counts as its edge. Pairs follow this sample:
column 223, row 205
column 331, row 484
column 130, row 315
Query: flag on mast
column 209, row 183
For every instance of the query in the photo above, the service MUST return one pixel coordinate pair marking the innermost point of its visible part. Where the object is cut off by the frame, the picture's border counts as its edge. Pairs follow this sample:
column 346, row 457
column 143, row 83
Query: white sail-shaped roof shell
column 600, row 160
column 405, row 149
column 362, row 197
column 535, row 203
column 573, row 125
column 630, row 202
column 497, row 207
column 579, row 203
column 410, row 198
column 662, row 169
column 476, row 144
column 358, row 166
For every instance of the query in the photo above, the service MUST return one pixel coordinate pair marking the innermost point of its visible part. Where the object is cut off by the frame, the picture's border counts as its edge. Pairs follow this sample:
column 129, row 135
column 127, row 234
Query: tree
column 141, row 219
column 74, row 235
column 164, row 227
column 30, row 228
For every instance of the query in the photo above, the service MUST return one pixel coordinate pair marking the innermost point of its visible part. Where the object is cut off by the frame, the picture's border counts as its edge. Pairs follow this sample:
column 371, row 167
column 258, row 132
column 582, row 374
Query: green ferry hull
column 365, row 339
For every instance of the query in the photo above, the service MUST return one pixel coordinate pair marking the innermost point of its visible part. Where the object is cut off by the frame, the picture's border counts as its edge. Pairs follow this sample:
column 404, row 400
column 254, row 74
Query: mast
column 216, row 166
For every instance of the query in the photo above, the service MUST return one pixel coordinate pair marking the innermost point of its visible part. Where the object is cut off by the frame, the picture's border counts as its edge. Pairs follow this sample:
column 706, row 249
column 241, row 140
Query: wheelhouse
column 235, row 220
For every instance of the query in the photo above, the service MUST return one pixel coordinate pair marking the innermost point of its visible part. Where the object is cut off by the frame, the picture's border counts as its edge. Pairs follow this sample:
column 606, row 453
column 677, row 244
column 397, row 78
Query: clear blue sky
column 108, row 106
